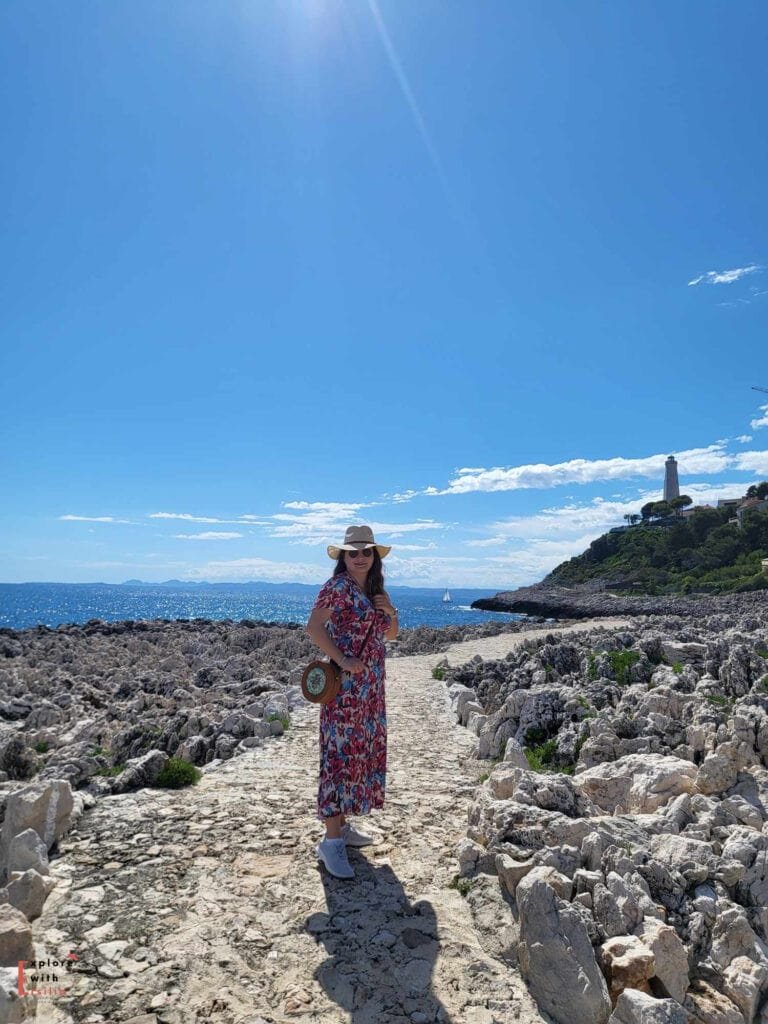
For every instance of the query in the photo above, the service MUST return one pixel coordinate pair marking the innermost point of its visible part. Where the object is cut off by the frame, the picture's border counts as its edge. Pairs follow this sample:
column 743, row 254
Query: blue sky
column 466, row 271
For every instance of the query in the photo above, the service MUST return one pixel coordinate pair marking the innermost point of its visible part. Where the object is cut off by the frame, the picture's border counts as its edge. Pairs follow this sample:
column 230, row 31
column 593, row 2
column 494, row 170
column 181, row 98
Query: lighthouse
column 671, row 485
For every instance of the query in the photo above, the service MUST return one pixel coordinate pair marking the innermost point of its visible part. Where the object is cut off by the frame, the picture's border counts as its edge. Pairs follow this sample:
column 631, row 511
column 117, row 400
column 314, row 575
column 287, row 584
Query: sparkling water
column 52, row 604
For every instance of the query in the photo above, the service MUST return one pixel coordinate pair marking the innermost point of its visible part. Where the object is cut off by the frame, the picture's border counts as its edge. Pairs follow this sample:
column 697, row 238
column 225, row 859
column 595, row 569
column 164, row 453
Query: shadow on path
column 381, row 948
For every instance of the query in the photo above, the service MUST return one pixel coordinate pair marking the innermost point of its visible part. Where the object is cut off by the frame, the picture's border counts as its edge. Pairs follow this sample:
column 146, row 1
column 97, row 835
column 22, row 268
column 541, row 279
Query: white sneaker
column 333, row 853
column 353, row 837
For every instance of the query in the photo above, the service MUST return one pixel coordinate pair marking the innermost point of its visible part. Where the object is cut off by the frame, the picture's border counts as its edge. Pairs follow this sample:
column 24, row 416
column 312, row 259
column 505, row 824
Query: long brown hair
column 374, row 581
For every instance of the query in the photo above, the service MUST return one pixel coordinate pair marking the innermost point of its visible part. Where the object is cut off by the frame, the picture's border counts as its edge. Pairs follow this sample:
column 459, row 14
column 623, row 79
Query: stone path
column 208, row 904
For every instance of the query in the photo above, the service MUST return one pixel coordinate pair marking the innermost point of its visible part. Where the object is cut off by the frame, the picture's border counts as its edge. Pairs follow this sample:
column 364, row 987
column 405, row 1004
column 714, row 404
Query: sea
column 24, row 605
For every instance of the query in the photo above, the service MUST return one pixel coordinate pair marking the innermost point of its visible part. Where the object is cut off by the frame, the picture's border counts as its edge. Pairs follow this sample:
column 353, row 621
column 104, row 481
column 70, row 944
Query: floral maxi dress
column 353, row 726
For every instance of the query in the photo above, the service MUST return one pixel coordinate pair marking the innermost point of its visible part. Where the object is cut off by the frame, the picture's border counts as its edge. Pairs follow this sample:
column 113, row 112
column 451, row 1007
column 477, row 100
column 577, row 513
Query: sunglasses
column 368, row 552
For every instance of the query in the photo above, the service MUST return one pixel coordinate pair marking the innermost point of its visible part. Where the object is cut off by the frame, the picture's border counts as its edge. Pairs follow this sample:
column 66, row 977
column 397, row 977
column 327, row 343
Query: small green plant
column 462, row 885
column 484, row 776
column 284, row 718
column 178, row 773
column 717, row 700
column 762, row 650
column 438, row 672
column 541, row 758
column 677, row 667
column 763, row 684
column 583, row 702
column 100, row 752
column 592, row 668
column 621, row 663
column 111, row 772
column 42, row 747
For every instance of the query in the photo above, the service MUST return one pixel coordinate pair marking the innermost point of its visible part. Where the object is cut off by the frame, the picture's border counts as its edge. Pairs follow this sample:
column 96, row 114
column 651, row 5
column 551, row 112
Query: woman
column 349, row 622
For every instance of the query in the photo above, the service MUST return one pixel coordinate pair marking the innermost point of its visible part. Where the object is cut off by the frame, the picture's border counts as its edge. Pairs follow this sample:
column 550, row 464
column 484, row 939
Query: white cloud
column 187, row 517
column 209, row 535
column 506, row 571
column 754, row 462
column 330, row 507
column 243, row 569
column 746, row 438
column 762, row 421
column 320, row 522
column 712, row 459
column 94, row 519
column 725, row 276
column 314, row 522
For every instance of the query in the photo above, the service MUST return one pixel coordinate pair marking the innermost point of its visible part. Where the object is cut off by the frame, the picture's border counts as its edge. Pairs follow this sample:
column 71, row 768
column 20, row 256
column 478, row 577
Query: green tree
column 683, row 501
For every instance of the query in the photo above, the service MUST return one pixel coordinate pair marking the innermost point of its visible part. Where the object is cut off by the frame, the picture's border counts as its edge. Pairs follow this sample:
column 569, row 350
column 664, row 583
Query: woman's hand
column 352, row 665
column 383, row 604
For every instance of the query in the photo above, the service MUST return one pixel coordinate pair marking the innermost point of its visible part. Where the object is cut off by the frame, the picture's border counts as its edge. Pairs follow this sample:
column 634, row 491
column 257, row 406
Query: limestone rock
column 710, row 1006
column 558, row 961
column 15, row 936
column 627, row 963
column 634, row 1007
column 744, row 982
column 637, row 783
column 28, row 893
column 140, row 771
column 27, row 850
column 671, row 960
column 45, row 807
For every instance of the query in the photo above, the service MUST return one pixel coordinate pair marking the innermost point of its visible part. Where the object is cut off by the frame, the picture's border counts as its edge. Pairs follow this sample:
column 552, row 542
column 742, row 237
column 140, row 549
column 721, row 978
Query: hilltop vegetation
column 702, row 553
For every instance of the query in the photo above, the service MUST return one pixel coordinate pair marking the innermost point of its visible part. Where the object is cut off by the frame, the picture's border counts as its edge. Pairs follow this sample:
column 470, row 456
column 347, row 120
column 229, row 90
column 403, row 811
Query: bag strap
column 367, row 635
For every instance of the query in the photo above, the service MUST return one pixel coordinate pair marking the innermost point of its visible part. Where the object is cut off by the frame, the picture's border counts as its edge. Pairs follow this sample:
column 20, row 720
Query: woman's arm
column 319, row 635
column 383, row 604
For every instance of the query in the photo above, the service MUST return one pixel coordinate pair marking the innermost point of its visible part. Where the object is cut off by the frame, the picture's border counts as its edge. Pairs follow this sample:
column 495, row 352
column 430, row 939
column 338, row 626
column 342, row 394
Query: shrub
column 178, row 773
column 438, row 672
column 677, row 667
column 621, row 663
column 462, row 885
column 42, row 747
column 542, row 759
column 111, row 772
column 284, row 718
column 16, row 759
column 592, row 668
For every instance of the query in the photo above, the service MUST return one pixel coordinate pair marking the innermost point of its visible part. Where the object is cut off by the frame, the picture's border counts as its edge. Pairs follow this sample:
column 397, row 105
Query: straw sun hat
column 358, row 537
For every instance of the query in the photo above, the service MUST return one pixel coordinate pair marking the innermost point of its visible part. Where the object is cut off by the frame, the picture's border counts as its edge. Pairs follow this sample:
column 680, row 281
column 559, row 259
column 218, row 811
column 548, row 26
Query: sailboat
column 447, row 597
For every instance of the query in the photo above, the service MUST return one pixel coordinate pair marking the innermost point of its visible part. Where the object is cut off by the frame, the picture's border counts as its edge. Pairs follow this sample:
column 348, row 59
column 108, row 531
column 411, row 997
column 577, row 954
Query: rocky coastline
column 625, row 815
column 596, row 600
column 621, row 832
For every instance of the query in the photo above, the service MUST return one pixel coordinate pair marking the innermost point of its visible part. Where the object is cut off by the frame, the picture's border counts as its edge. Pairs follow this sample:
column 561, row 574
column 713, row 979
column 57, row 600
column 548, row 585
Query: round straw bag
column 320, row 681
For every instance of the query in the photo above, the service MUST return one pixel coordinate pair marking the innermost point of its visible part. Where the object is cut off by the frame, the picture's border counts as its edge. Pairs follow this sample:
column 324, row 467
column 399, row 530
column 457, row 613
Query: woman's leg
column 333, row 827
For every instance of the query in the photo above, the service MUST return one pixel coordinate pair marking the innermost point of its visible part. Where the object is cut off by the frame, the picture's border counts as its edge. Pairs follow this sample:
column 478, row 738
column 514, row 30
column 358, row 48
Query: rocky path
column 207, row 904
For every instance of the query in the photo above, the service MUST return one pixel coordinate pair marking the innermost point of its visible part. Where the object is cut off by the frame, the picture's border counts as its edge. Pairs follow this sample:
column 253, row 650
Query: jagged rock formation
column 626, row 814
column 592, row 600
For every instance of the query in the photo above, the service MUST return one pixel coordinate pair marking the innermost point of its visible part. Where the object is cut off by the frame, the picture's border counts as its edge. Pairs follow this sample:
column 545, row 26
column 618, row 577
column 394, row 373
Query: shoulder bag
column 321, row 679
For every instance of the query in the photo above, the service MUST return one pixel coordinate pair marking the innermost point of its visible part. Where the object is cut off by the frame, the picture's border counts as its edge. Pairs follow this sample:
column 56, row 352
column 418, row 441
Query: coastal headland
column 594, row 600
